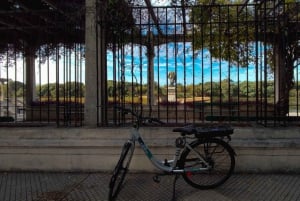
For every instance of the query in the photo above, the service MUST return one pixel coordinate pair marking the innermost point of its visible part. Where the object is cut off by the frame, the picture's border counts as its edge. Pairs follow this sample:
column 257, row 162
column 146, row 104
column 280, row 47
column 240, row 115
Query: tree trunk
column 283, row 78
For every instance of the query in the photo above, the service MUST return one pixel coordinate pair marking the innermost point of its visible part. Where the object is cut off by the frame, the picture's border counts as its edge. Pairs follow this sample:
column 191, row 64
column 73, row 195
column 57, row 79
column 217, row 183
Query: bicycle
column 203, row 156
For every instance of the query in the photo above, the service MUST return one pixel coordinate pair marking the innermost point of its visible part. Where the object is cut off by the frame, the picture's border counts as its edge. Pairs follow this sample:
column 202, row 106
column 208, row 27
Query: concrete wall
column 98, row 149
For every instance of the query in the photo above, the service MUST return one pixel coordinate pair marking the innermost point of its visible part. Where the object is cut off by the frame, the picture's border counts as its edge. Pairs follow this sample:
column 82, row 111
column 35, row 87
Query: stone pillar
column 171, row 94
column 30, row 76
column 281, row 89
column 95, row 66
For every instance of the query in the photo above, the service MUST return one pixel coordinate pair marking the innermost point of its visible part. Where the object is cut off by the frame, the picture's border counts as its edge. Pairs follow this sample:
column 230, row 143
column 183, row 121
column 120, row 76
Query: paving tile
column 60, row 186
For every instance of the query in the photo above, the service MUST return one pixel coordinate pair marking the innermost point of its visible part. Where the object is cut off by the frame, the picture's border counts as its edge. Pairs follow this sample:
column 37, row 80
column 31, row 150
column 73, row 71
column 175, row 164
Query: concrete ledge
column 98, row 149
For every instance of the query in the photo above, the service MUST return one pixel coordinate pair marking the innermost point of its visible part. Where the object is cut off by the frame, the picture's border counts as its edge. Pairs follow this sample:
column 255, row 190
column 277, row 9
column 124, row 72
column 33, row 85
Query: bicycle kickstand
column 174, row 187
column 156, row 178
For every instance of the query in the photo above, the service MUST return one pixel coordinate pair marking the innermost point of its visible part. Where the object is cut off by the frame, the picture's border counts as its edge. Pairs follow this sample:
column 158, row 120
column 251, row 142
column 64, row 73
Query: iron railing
column 58, row 84
column 191, row 64
column 199, row 64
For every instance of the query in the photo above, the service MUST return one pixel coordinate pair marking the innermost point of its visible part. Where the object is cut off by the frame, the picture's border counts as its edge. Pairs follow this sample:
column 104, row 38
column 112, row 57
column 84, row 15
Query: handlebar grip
column 128, row 111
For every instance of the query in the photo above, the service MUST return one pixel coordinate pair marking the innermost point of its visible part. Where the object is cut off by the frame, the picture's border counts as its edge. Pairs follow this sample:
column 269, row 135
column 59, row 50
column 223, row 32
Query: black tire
column 120, row 171
column 217, row 153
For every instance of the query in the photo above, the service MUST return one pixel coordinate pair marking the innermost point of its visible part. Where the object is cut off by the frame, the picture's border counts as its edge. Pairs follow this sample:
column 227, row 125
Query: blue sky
column 170, row 57
column 191, row 67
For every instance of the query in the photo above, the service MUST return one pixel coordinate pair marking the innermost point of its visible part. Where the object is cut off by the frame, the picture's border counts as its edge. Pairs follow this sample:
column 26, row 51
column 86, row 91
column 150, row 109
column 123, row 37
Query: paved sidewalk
column 43, row 186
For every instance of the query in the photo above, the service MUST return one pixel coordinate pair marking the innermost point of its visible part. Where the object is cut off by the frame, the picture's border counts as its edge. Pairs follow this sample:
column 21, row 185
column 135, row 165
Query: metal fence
column 57, row 82
column 182, row 64
column 199, row 64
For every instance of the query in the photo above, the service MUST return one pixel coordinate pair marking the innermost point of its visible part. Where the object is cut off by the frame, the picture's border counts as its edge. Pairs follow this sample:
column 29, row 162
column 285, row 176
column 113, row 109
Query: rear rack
column 214, row 131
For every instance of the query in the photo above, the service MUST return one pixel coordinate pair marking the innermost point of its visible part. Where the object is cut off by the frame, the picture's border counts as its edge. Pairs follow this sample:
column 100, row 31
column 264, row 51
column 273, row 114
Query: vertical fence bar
column 166, row 108
column 194, row 106
column 57, row 65
column 183, row 26
column 23, row 114
column 220, row 63
column 15, row 86
column 176, row 54
column 236, row 106
column 297, row 71
column 157, row 85
column 257, row 25
column 7, row 84
column 226, row 86
column 247, row 64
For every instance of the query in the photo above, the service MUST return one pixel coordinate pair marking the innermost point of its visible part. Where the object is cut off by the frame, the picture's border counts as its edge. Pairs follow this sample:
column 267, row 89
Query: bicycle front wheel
column 220, row 159
column 120, row 171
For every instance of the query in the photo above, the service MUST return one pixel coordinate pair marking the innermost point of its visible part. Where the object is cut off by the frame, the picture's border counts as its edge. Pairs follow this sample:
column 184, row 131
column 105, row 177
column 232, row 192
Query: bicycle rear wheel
column 217, row 153
column 120, row 171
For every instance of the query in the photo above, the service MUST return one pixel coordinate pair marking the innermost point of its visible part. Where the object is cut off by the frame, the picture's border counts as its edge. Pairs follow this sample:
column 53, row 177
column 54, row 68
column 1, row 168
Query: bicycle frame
column 187, row 161
column 135, row 136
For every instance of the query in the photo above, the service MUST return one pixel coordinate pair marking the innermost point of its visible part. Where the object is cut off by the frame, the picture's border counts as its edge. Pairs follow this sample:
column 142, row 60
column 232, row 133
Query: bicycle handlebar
column 139, row 117
column 126, row 111
column 150, row 120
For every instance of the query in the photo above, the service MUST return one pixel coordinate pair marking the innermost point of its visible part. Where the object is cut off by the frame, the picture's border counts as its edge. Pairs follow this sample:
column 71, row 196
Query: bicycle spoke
column 217, row 155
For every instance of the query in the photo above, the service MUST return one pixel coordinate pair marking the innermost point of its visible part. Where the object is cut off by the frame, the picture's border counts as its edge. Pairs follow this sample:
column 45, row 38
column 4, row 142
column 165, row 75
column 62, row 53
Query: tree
column 70, row 89
column 117, row 18
column 224, row 31
column 12, row 89
column 230, row 32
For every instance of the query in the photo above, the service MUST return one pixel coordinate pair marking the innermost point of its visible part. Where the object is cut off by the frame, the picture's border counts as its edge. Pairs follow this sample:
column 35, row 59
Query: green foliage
column 126, row 89
column 68, row 89
column 247, row 89
column 291, row 1
column 118, row 18
column 12, row 89
column 230, row 32
column 225, row 31
column 224, row 89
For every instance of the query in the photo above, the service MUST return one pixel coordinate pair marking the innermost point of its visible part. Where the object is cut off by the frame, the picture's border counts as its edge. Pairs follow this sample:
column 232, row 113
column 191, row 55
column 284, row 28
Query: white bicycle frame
column 135, row 136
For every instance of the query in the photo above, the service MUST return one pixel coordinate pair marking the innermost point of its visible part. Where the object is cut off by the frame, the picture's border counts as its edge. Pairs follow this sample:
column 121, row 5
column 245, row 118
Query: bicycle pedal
column 156, row 179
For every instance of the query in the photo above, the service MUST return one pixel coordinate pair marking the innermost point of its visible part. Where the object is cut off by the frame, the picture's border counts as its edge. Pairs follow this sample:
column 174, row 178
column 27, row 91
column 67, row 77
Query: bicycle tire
column 217, row 153
column 120, row 171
